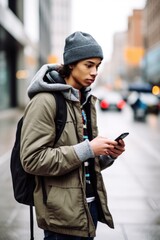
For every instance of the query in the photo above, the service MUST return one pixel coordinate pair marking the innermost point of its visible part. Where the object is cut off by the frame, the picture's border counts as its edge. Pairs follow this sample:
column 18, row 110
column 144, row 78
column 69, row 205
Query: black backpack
column 23, row 182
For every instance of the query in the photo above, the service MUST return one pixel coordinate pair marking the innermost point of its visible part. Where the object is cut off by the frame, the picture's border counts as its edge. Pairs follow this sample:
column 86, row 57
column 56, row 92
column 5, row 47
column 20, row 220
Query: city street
column 121, row 62
column 132, row 182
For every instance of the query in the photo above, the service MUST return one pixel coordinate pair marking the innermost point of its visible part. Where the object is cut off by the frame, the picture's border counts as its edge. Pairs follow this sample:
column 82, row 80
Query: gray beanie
column 79, row 46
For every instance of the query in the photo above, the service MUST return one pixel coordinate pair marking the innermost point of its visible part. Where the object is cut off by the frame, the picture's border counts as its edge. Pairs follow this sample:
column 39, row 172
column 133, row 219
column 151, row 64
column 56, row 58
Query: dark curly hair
column 65, row 70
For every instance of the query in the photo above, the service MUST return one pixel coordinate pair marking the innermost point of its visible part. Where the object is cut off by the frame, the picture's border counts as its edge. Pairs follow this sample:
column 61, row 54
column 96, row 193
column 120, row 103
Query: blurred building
column 60, row 28
column 135, row 38
column 19, row 49
column 134, row 50
column 31, row 33
column 45, row 22
column 119, row 67
column 151, row 61
column 128, row 52
column 114, row 71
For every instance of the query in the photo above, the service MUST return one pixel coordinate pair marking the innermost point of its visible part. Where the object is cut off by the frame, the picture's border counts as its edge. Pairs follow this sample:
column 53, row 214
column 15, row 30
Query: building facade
column 135, row 28
column 18, row 51
column 134, row 50
column 118, row 62
column 151, row 61
column 128, row 51
column 60, row 28
column 30, row 31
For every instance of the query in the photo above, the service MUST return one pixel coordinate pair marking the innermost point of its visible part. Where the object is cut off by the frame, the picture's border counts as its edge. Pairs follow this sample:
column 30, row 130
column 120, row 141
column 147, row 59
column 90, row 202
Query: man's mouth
column 90, row 80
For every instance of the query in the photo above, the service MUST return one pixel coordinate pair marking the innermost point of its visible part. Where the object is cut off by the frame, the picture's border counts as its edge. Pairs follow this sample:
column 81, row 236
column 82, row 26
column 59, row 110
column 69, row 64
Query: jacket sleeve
column 38, row 155
column 105, row 161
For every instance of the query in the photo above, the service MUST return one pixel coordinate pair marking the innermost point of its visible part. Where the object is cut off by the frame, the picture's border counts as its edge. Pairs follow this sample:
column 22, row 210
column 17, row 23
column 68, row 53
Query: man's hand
column 104, row 146
column 118, row 150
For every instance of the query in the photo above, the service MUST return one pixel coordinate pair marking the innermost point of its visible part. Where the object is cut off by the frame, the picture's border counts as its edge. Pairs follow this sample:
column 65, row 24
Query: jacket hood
column 56, row 83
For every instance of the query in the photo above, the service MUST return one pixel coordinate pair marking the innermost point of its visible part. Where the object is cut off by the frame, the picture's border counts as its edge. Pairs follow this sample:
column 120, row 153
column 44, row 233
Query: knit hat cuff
column 82, row 52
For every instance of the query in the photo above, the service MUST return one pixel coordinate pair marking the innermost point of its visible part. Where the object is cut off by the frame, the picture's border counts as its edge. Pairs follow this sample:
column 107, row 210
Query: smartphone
column 123, row 135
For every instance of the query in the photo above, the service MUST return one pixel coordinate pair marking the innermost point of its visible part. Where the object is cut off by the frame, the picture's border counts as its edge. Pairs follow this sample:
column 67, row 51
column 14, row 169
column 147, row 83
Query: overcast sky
column 102, row 18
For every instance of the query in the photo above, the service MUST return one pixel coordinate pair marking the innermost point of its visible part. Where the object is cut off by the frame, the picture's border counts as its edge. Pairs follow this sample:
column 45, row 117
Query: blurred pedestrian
column 76, row 196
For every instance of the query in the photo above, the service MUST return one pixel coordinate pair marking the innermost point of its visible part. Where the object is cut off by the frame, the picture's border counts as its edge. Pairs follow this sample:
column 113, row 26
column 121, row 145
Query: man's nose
column 94, row 71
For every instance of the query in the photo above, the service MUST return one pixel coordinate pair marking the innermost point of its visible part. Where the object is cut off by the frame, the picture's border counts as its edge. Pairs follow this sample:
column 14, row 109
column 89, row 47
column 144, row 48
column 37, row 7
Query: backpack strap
column 31, row 223
column 61, row 114
column 60, row 121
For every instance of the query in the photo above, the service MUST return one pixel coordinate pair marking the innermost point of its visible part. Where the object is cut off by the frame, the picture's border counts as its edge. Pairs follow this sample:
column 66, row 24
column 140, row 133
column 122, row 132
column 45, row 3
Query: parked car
column 152, row 102
column 139, row 108
column 112, row 101
column 144, row 102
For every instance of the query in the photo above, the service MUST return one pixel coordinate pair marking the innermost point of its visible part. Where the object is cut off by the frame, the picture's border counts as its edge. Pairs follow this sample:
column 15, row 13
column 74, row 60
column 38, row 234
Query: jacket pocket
column 66, row 208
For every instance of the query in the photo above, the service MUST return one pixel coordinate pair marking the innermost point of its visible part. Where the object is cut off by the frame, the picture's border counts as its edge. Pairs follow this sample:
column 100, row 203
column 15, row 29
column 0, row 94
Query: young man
column 76, row 196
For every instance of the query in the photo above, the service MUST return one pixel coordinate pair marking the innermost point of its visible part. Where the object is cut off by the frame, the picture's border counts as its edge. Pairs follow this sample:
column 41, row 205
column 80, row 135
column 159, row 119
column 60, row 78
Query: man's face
column 83, row 73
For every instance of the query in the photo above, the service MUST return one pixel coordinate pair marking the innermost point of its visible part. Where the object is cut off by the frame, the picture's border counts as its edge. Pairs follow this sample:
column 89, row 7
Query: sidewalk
column 14, row 217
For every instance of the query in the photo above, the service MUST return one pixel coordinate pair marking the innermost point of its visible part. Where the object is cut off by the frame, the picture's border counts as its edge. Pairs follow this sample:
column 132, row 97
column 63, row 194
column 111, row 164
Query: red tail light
column 121, row 104
column 104, row 104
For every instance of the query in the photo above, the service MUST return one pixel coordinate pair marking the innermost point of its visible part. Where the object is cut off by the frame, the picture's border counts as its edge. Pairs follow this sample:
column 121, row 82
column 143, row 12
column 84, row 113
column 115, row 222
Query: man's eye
column 89, row 65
